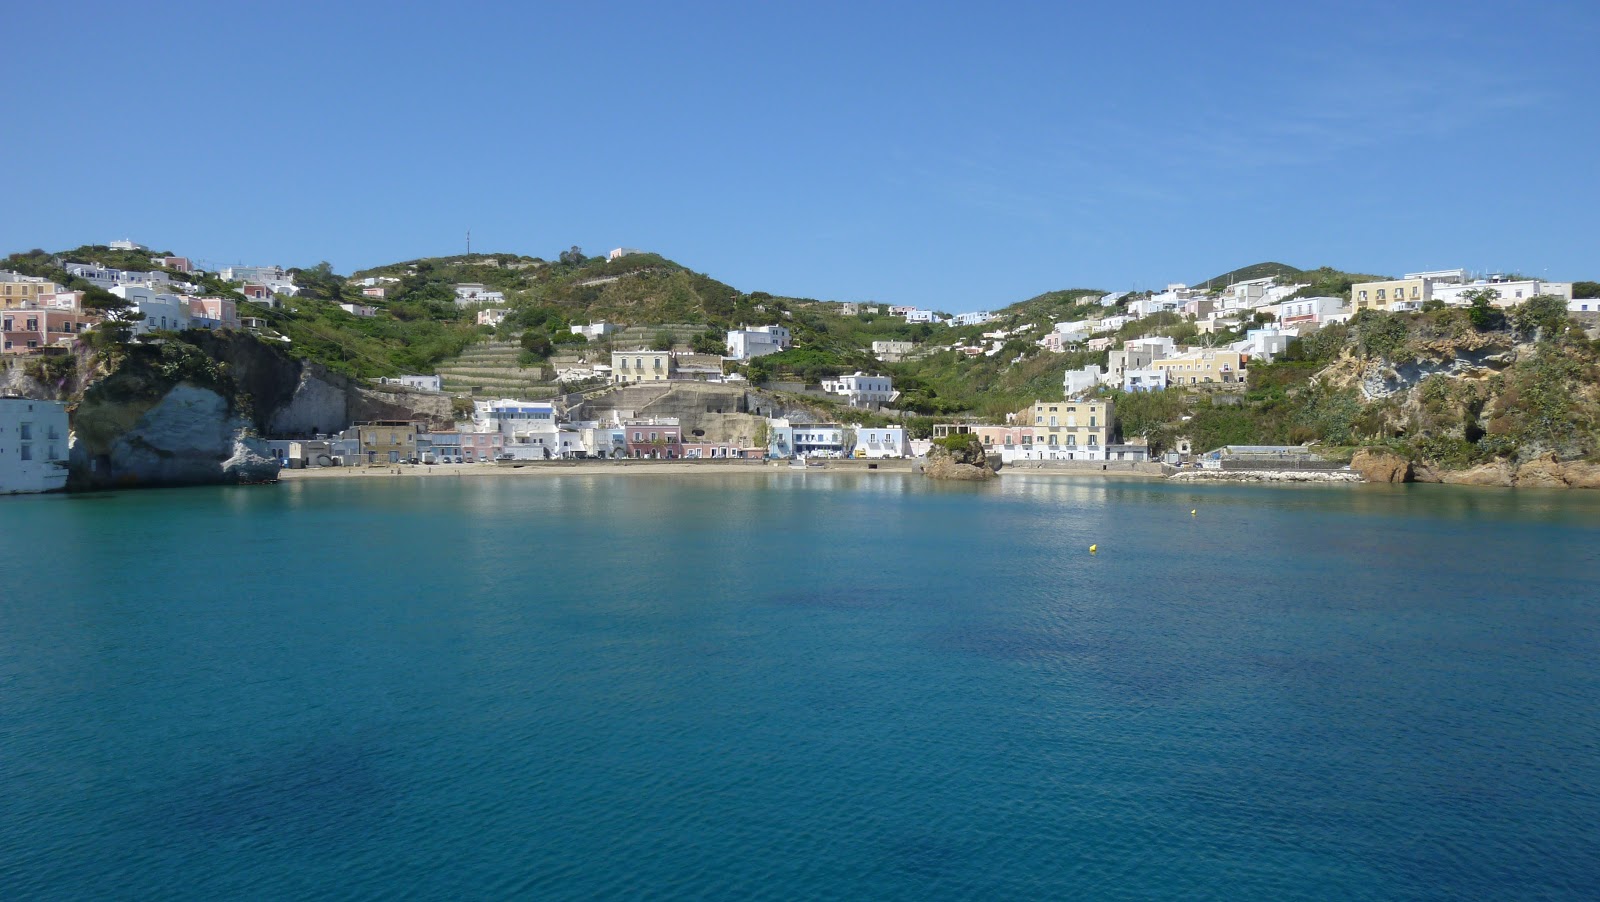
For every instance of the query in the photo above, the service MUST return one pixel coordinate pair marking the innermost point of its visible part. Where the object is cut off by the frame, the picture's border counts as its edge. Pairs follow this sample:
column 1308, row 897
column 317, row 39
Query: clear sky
column 959, row 156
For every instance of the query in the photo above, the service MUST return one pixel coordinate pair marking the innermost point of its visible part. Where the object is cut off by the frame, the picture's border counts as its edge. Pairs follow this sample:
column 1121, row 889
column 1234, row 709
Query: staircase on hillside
column 490, row 369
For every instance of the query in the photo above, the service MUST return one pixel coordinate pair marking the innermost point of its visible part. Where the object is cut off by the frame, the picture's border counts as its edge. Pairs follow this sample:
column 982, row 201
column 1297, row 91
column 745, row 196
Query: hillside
column 1282, row 271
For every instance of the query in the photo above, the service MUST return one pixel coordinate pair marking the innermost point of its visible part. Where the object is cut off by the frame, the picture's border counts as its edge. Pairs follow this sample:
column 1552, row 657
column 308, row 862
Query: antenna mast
column 469, row 242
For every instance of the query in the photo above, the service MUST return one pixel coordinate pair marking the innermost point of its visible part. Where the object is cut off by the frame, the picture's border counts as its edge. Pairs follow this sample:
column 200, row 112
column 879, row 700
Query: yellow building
column 628, row 367
column 388, row 441
column 24, row 292
column 1076, row 427
column 1200, row 367
column 1385, row 295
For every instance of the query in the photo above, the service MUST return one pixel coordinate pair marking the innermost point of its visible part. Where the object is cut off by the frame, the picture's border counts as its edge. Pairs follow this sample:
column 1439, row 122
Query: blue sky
column 958, row 156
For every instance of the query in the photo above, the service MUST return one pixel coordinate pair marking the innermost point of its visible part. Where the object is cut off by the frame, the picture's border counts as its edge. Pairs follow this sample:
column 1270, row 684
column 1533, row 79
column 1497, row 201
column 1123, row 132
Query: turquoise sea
column 800, row 685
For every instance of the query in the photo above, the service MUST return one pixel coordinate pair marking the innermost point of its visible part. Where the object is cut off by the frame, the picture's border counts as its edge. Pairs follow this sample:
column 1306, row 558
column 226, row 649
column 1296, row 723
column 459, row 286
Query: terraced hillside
column 492, row 368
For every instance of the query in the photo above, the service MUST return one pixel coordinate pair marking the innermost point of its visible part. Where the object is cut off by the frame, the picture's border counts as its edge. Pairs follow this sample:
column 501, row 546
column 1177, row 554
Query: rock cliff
column 192, row 411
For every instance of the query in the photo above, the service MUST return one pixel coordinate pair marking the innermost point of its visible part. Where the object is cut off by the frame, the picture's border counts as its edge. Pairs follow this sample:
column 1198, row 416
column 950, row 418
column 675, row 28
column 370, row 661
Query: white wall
column 29, row 456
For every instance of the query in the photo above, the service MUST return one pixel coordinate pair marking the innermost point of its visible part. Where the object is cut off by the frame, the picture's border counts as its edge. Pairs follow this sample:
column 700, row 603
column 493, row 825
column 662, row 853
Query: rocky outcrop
column 962, row 461
column 1329, row 476
column 191, row 436
column 1498, row 473
column 1381, row 466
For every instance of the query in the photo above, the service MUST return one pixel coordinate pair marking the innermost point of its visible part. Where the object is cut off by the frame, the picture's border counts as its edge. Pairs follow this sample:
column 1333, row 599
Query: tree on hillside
column 1481, row 309
column 1543, row 317
column 662, row 341
column 1586, row 289
column 573, row 256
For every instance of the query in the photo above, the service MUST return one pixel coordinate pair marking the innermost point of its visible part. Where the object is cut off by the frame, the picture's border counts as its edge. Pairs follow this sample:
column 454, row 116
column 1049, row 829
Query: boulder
column 966, row 461
column 1581, row 474
column 1376, row 465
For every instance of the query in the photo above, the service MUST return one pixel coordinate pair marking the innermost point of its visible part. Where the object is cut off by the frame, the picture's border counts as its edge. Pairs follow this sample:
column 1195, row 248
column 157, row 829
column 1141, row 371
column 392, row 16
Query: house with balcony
column 388, row 441
column 786, row 439
column 861, row 390
column 745, row 343
column 469, row 293
column 654, row 438
column 33, row 446
column 881, row 442
column 631, row 367
column 1067, row 430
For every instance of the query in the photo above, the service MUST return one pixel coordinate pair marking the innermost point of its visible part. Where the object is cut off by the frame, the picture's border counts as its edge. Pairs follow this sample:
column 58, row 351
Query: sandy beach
column 573, row 468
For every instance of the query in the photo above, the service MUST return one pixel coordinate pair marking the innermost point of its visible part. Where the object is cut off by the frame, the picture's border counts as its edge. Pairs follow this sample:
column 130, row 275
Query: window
column 1093, row 440
column 1380, row 294
column 27, row 452
column 1053, row 421
column 1052, row 439
column 26, row 431
column 1091, row 421
column 636, row 437
column 1072, row 441
column 1038, row 421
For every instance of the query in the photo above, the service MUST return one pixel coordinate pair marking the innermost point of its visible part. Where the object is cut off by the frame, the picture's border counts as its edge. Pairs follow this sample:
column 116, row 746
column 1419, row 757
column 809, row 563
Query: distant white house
column 106, row 277
column 469, row 293
column 257, row 274
column 976, row 318
column 126, row 245
column 33, row 446
column 1318, row 311
column 862, row 390
column 493, row 316
column 620, row 252
column 923, row 316
column 1584, row 305
column 1144, row 379
column 892, row 351
column 745, row 344
column 424, row 383
column 595, row 330
column 1264, row 344
column 1507, row 292
column 359, row 309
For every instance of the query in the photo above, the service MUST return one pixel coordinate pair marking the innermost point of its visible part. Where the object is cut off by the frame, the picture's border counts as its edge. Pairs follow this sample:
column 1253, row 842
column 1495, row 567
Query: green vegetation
column 1282, row 271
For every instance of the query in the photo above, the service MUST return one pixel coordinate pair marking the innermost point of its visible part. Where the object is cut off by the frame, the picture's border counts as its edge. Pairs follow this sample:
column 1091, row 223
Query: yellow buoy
column 1193, row 512
column 1093, row 548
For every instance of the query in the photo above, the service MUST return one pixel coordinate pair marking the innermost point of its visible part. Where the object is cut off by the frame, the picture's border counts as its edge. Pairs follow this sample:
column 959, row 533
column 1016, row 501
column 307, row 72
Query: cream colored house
column 1198, row 367
column 628, row 367
column 1074, row 430
column 23, row 291
column 1394, row 294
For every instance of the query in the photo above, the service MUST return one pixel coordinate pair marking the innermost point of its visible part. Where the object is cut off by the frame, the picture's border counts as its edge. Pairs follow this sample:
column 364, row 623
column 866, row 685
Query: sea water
column 800, row 685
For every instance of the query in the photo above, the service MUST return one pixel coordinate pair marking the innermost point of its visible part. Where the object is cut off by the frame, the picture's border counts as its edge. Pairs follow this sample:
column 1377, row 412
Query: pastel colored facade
column 881, row 442
column 45, row 322
column 477, row 447
column 628, row 367
column 861, row 390
column 19, row 290
column 388, row 441
column 377, row 291
column 181, row 264
column 1204, row 367
column 33, row 446
column 214, row 313
column 444, row 446
column 745, row 344
column 658, row 438
column 1069, row 430
column 360, row 310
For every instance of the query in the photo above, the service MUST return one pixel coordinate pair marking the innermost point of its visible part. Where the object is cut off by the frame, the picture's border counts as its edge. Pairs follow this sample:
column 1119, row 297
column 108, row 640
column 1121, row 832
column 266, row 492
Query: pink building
column 658, row 439
column 214, row 313
column 480, row 446
column 376, row 291
column 181, row 264
column 44, row 322
column 256, row 292
column 1004, row 437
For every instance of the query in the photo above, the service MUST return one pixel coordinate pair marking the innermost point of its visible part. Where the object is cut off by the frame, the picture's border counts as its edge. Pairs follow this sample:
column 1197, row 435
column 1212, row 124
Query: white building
column 1137, row 354
column 1112, row 299
column 786, row 439
column 881, row 442
column 106, row 277
column 1508, row 293
column 976, row 318
column 469, row 293
column 619, row 252
column 261, row 275
column 126, row 245
column 1584, row 305
column 923, row 316
column 1318, row 311
column 1079, row 381
column 744, row 344
column 425, row 383
column 595, row 330
column 529, row 427
column 359, row 310
column 1144, row 380
column 33, row 446
column 1264, row 344
column 861, row 390
column 161, row 311
column 494, row 316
